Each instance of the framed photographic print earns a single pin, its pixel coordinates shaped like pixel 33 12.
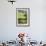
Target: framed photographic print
pixel 22 17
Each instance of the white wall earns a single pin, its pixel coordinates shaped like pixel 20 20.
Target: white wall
pixel 37 29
